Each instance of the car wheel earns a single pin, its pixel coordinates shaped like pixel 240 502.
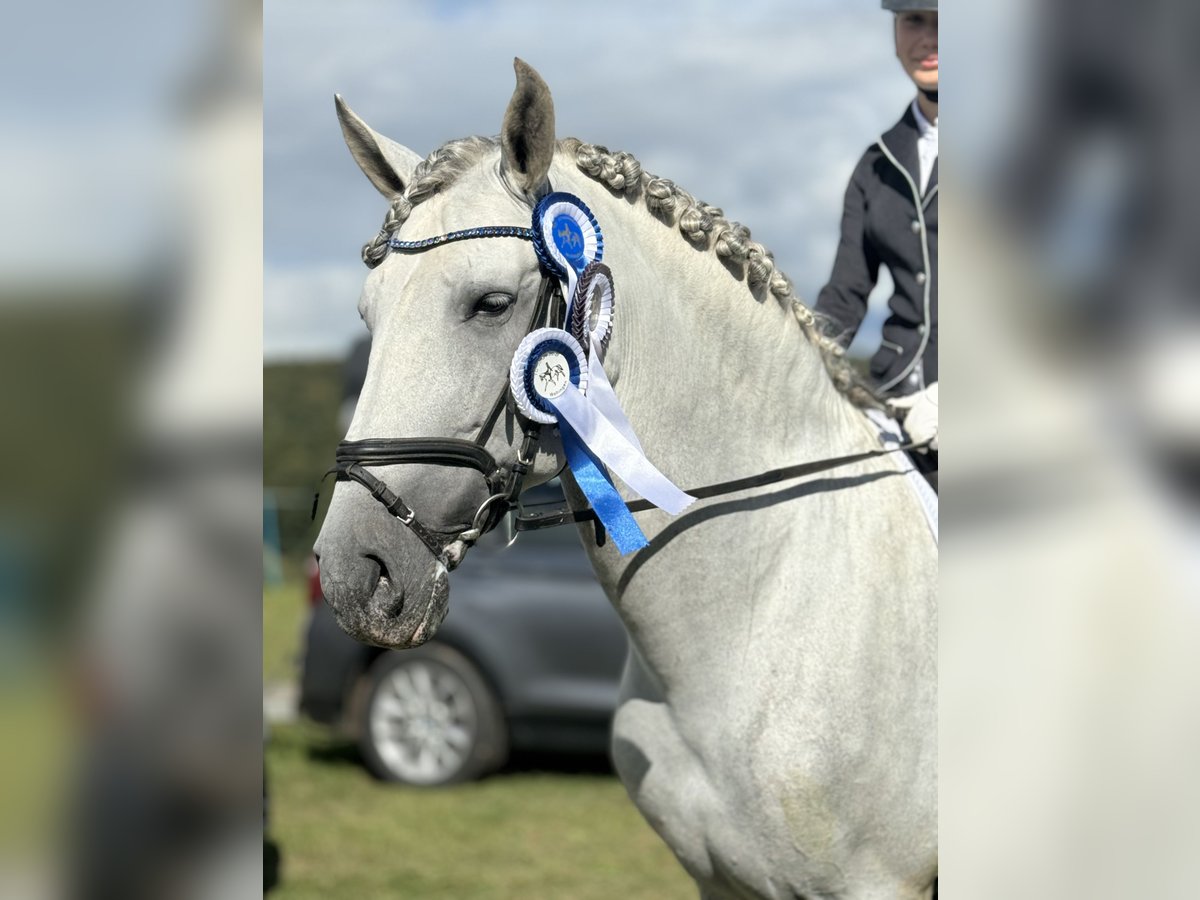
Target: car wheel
pixel 431 719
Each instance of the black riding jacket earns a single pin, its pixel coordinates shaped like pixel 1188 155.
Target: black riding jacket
pixel 887 220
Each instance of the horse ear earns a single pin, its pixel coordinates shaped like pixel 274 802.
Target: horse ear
pixel 389 165
pixel 527 136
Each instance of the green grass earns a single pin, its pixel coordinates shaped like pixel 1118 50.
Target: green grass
pixel 518 834
pixel 35 757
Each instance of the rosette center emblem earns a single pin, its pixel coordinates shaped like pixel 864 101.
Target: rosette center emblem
pixel 551 375
pixel 568 237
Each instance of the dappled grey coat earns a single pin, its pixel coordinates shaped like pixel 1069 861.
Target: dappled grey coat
pixel 886 220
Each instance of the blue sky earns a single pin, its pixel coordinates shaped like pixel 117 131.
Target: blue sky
pixel 761 108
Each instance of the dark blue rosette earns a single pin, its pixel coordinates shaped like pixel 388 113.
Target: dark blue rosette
pixel 566 236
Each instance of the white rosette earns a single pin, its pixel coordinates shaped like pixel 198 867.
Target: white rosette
pixel 591 318
pixel 545 362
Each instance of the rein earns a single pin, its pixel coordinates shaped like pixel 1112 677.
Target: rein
pixel 529 521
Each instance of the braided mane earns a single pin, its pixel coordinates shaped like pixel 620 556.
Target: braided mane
pixel 702 225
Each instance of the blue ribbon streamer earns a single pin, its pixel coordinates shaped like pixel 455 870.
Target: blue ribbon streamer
pixel 600 492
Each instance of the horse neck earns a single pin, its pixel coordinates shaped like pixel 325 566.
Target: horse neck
pixel 718 383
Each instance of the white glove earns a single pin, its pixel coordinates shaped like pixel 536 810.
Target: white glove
pixel 921 419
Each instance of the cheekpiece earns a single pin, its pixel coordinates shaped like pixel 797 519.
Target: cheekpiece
pixel 592 306
pixel 566 236
pixel 545 361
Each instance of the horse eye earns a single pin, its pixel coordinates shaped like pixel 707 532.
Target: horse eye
pixel 493 304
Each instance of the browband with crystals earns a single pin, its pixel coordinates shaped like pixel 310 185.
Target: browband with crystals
pixel 484 231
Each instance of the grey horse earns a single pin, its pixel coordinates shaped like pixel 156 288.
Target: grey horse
pixel 777 723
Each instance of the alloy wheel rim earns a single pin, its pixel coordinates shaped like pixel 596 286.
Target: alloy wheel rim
pixel 423 722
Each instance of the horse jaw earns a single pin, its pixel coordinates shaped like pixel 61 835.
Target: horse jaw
pixel 382 589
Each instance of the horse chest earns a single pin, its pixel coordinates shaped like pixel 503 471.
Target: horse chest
pixel 713 818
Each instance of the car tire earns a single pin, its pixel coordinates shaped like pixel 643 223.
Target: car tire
pixel 430 719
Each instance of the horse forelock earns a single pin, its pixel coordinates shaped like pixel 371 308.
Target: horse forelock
pixel 702 225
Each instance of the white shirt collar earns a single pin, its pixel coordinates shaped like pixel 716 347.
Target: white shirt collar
pixel 927 145
pixel 924 126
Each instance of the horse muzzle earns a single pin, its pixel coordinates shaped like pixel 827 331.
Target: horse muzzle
pixel 373 607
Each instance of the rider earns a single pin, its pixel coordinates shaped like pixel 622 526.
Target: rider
pixel 890 217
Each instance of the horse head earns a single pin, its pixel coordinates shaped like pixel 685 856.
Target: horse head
pixel 444 326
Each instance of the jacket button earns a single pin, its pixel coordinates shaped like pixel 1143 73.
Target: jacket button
pixel 921 328
pixel 920 278
pixel 916 226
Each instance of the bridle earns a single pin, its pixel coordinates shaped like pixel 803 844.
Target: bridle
pixel 505 482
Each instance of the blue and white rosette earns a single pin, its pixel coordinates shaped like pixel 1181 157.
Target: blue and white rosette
pixel 549 365
pixel 546 361
pixel 548 378
pixel 566 237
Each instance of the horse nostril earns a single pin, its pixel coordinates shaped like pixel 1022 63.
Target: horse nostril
pixel 382 572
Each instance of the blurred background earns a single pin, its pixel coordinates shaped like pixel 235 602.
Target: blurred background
pixel 130 370
pixel 1070 578
pixel 140 300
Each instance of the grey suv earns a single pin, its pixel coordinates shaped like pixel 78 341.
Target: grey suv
pixel 529 657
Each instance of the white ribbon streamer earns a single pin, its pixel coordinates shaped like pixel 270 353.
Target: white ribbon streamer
pixel 601 393
pixel 612 448
pixel 572 281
